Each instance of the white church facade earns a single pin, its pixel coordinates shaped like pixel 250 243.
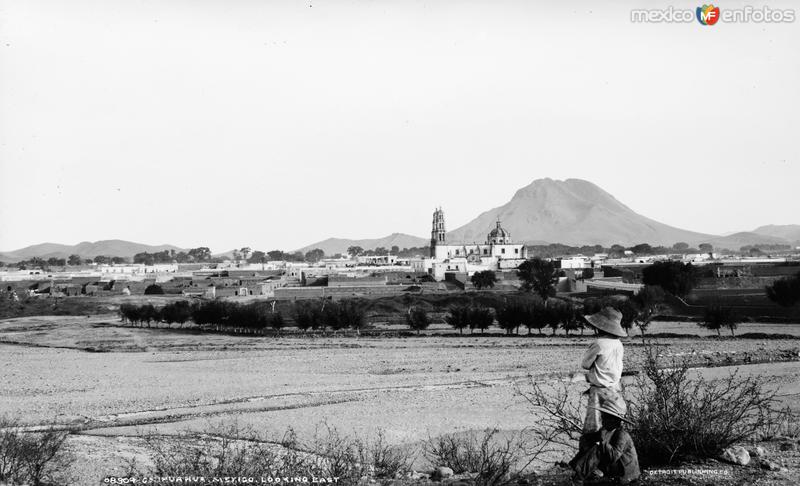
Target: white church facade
pixel 498 252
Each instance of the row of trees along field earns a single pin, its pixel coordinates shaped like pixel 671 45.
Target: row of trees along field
pixel 251 318
pixel 535 308
pixel 534 312
pixel 516 312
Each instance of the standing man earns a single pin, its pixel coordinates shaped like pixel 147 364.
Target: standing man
pixel 603 362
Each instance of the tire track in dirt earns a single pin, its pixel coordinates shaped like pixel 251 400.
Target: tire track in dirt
pixel 255 404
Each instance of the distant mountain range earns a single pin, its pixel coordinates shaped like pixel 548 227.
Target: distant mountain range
pixel 86 249
pixel 789 232
pixel 573 212
pixel 332 246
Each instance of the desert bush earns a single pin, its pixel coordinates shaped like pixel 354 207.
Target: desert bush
pixel 388 461
pixel 227 451
pixel 558 411
pixel 782 423
pixel 342 456
pixel 678 415
pixel 487 455
pixel 28 457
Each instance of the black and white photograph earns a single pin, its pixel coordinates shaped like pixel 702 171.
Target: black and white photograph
pixel 399 242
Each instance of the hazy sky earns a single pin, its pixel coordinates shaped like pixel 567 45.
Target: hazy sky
pixel 276 124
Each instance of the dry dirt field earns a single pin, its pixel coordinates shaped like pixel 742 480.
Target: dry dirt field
pixel 412 388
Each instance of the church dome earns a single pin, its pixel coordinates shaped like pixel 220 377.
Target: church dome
pixel 499 234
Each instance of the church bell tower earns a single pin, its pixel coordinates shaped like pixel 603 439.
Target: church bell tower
pixel 437 231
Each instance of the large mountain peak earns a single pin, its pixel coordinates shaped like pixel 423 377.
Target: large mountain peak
pixel 572 211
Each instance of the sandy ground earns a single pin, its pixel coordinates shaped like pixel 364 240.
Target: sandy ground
pixel 411 388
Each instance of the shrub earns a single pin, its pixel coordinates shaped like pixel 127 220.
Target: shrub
pixel 785 291
pixel 344 457
pixel 227 451
pixel 388 461
pixel 233 451
pixel 30 458
pixel 487 455
pixel 484 280
pixel 153 289
pixel 679 416
pixel 676 415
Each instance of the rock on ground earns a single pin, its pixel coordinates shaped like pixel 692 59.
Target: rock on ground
pixel 441 472
pixel 736 455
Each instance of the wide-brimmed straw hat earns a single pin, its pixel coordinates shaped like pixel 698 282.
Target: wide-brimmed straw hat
pixel 609 320
pixel 613 405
